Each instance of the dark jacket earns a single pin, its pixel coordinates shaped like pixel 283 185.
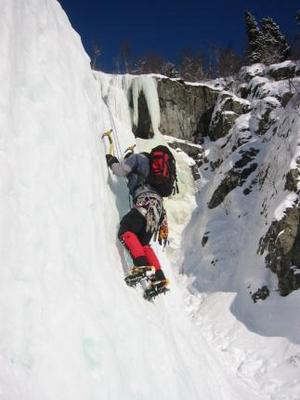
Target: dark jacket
pixel 136 168
pixel 146 200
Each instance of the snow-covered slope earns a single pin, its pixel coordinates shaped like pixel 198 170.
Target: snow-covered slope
pixel 69 327
pixel 249 188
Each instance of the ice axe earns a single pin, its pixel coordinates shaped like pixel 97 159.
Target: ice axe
pixel 108 134
pixel 129 150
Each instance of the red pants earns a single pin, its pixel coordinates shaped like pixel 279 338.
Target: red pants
pixel 134 236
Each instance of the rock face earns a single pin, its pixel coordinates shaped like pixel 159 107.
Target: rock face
pixel 282 243
pixel 227 109
pixel 285 70
pixel 193 151
pixel 251 169
pixel 186 110
pixel 235 177
pixel 194 111
pixel 292 179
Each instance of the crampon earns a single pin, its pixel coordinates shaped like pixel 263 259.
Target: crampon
pixel 155 289
pixel 138 274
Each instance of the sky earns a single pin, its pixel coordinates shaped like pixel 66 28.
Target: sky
pixel 166 27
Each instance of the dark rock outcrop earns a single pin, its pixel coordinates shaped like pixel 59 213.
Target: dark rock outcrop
pixel 234 178
pixel 246 73
pixel 196 152
pixel 205 239
pixel 186 109
pixel 282 242
pixel 292 179
pixel 227 110
pixel 261 294
pixel 285 70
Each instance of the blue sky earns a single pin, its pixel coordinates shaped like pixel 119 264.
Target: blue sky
pixel 166 27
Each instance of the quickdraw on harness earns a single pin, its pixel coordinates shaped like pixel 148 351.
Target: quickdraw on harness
pixel 150 206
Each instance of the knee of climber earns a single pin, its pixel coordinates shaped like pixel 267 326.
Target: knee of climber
pixel 151 257
pixel 132 243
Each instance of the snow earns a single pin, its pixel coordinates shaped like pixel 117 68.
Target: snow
pixel 252 70
pixel 70 328
pixel 262 107
pixel 214 84
pixel 288 202
pixel 171 139
pixel 262 359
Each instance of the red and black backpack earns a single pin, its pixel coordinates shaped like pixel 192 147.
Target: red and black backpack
pixel 162 176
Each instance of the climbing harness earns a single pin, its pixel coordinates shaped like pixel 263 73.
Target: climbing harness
pixel 149 205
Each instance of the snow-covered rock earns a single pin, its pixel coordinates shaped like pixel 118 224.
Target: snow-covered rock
pixel 249 72
pixel 227 109
pixel 263 115
pixel 284 70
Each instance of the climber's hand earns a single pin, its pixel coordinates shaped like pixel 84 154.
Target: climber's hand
pixel 111 160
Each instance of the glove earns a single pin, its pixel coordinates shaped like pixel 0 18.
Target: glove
pixel 163 235
pixel 111 160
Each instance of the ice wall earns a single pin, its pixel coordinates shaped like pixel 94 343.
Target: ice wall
pixel 54 247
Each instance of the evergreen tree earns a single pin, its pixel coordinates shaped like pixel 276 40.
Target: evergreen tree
pixel 253 52
pixel 274 45
pixel 267 44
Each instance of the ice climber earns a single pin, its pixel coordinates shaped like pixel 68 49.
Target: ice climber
pixel 147 217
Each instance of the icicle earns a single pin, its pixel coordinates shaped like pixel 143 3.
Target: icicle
pixel 148 86
pixel 150 92
pixel 119 90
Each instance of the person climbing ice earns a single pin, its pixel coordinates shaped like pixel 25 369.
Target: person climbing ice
pixel 150 177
